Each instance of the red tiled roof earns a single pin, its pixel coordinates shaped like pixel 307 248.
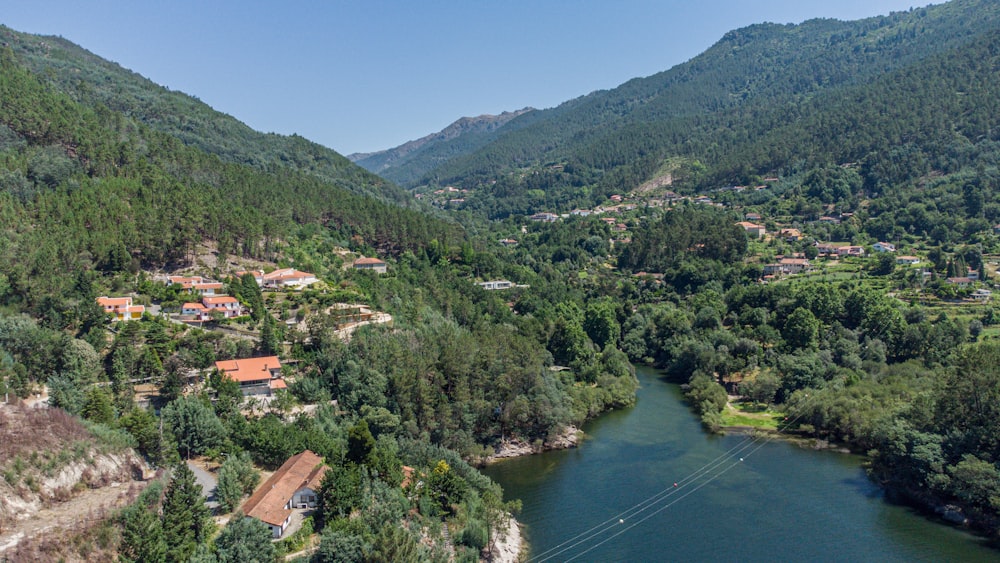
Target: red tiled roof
pixel 249 369
pixel 218 299
pixel 364 261
pixel 267 504
pixel 286 273
pixel 114 301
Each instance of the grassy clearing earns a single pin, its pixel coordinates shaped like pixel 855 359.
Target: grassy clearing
pixel 747 414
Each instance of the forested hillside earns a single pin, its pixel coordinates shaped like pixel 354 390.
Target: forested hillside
pixel 702 122
pixel 89 79
pixel 410 161
pixel 843 291
pixel 95 202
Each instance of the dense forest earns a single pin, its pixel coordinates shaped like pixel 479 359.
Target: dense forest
pixel 838 134
pixel 765 100
pixel 98 202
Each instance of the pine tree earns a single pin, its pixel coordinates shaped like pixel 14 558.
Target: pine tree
pixel 251 295
pixel 142 537
pixel 142 532
pixel 186 519
pixel 97 406
pixel 237 477
pixel 244 540
pixel 270 338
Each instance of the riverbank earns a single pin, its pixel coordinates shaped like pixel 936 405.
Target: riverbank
pixel 631 454
pixel 569 437
pixel 510 546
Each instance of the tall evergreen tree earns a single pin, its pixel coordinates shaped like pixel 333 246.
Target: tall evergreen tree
pixel 142 537
pixel 186 519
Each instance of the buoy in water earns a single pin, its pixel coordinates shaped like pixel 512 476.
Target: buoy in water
pixel 620 521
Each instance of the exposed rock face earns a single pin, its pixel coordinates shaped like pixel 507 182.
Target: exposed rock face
pixel 509 547
pixel 34 490
pixel 514 447
pixel 953 514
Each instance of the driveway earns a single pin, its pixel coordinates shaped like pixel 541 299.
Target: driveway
pixel 207 482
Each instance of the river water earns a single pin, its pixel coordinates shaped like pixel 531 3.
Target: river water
pixel 781 503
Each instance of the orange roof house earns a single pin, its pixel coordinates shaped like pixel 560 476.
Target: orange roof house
pixel 294 485
pixel 227 304
pixel 206 288
pixel 289 277
pixel 372 264
pixel 121 308
pixel 186 281
pixel 256 376
pixel 258 275
pixel 196 310
pixel 753 229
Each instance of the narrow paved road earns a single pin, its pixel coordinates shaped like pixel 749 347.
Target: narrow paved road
pixel 207 482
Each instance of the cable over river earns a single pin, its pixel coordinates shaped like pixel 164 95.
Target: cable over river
pixel 650 485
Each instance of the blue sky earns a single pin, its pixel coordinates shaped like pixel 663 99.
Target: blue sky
pixel 369 75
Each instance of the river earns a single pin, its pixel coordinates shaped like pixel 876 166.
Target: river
pixel 781 503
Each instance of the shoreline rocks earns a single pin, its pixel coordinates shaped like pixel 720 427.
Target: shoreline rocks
pixel 569 437
pixel 510 547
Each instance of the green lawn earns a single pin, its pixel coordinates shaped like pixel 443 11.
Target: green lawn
pixel 743 414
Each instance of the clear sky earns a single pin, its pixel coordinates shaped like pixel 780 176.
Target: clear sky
pixel 366 75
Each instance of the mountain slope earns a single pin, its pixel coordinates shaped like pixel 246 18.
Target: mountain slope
pixel 89 79
pixel 410 161
pixel 84 187
pixel 614 140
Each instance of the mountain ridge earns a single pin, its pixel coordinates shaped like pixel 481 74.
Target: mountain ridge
pixel 484 122
pixel 87 77
pixel 410 160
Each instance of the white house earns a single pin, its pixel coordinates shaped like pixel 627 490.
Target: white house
pixel 289 278
pixel 371 265
pixel 295 485
pixel 121 308
pixel 545 217
pixel 228 305
pixel 496 284
pixel 884 247
pixel 753 229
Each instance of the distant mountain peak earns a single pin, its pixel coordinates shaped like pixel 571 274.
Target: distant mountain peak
pixel 465 125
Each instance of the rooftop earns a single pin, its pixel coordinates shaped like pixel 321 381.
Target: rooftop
pixel 267 504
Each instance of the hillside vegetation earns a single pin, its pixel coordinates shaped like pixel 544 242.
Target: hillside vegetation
pixel 858 302
pixel 410 161
pixel 91 80
pixel 765 100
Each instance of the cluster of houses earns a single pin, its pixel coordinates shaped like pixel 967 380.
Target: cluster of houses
pixel 213 301
pixel 449 195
